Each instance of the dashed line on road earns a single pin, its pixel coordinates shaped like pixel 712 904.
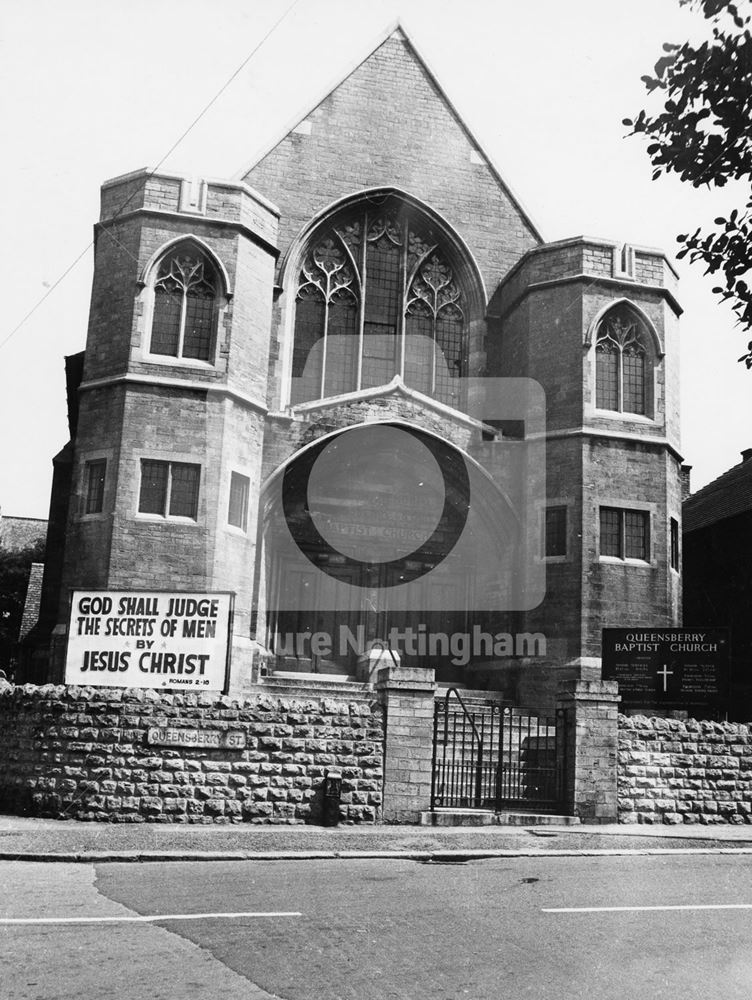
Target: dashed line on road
pixel 140 919
pixel 648 909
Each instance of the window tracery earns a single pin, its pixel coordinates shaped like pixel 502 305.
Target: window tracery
pixel 623 364
pixel 377 296
pixel 184 311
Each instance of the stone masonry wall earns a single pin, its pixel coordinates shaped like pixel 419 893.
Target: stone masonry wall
pixel 81 753
pixel 673 771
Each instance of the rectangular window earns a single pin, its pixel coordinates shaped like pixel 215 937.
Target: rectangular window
pixel 636 534
pixel 674 544
pixel 555 529
pixel 153 498
pixel 183 490
pixel 237 515
pixel 95 473
pixel 169 488
pixel 611 540
pixel 625 534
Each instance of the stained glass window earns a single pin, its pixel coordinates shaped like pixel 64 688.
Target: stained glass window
pixel 185 296
pixel 622 366
pixel 607 375
pixel 633 379
pixel 377 297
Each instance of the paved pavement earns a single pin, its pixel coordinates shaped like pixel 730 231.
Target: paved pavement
pixel 56 840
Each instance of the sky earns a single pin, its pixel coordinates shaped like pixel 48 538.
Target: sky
pixel 90 89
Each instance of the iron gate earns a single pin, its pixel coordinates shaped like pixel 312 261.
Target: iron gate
pixel 491 756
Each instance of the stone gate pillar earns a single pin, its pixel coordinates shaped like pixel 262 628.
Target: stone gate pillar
pixel 587 740
pixel 407 694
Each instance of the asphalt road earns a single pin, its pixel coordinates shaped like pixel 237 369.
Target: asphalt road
pixel 374 930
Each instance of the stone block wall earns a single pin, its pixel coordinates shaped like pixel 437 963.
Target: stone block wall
pixel 673 771
pixel 82 753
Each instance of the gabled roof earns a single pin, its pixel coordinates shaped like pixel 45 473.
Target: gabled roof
pixel 395 29
pixel 727 496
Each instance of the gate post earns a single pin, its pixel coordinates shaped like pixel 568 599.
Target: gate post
pixel 407 694
pixel 587 744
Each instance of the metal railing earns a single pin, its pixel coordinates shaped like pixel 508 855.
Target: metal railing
pixel 491 756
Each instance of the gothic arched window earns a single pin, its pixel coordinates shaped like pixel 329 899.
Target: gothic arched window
pixel 377 296
pixel 623 363
pixel 184 315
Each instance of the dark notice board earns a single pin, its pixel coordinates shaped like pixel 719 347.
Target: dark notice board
pixel 668 667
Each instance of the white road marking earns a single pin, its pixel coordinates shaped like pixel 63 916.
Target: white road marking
pixel 644 909
pixel 155 918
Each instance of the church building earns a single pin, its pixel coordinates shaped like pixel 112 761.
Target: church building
pixel 355 388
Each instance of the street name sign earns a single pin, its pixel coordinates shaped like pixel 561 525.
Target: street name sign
pixel 179 736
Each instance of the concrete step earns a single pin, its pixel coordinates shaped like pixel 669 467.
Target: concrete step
pixel 458 817
pixel 535 819
pixel 486 817
pixel 312 685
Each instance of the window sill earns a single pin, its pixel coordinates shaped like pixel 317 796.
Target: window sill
pixel 172 362
pixel 617 561
pixel 635 418
pixel 233 529
pixel 166 519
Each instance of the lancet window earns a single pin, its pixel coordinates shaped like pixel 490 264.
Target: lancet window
pixel 185 298
pixel 623 364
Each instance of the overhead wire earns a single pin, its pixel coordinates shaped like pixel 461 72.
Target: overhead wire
pixel 288 10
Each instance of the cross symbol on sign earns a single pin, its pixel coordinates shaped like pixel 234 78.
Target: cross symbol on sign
pixel 665 673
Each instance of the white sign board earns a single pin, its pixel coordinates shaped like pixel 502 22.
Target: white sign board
pixel 148 639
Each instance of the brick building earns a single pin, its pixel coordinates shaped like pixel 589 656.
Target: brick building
pixel 370 299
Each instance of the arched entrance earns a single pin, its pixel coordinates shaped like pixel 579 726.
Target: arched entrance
pixel 384 534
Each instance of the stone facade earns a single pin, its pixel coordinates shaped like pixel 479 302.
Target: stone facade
pixel 386 140
pixel 82 753
pixel 543 322
pixel 673 771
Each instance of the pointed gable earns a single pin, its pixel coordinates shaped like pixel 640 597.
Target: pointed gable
pixel 389 124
